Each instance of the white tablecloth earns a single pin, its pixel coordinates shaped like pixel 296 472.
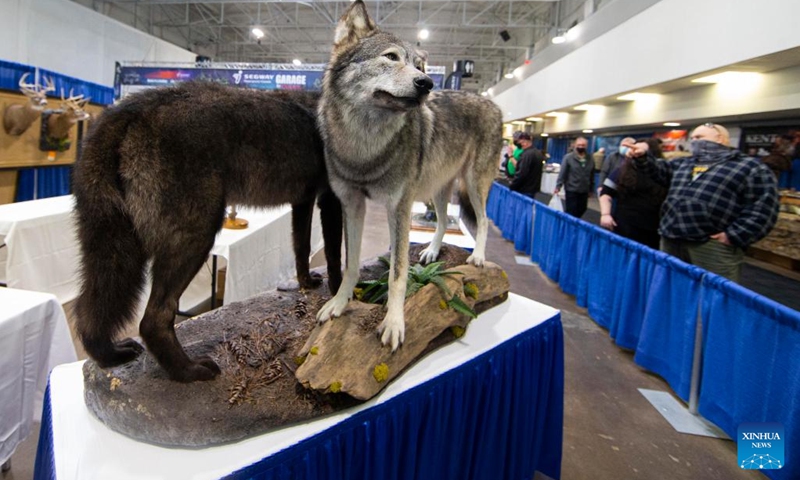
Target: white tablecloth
pixel 549 180
pixel 85 449
pixel 34 338
pixel 43 253
pixel 41 248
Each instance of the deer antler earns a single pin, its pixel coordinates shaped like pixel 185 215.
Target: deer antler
pixel 28 88
pixel 75 102
pixel 50 86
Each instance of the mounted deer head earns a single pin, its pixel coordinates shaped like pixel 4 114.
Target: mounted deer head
pixel 58 124
pixel 18 117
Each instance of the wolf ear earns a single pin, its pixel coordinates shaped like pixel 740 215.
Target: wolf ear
pixel 354 25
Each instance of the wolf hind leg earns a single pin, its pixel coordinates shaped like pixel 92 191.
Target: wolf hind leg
pixel 354 211
pixel 301 237
pixel 478 191
pixel 330 209
pixel 174 266
pixel 431 252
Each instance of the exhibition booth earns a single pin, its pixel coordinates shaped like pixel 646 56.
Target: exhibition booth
pixel 745 355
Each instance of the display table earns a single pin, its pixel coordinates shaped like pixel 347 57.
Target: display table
pixel 34 338
pixel 462 239
pixel 488 406
pixel 549 180
pixel 42 251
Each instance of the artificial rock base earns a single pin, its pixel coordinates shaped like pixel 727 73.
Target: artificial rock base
pixel 258 343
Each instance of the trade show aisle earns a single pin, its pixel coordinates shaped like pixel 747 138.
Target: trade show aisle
pixel 610 430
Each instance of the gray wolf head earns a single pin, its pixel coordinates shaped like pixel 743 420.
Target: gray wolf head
pixel 373 68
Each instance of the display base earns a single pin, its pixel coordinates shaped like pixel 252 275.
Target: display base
pixel 256 344
pixel 679 417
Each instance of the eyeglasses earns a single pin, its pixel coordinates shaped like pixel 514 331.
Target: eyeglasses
pixel 712 125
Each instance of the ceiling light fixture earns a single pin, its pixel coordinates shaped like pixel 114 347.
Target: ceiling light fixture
pixel 423 34
pixel 545 135
pixel 588 130
pixel 296 62
pixel 533 119
pixel 258 33
pixel 509 75
pixel 672 124
pixel 556 114
pixel 484 93
pixel 587 106
pixel 726 77
pixel 637 96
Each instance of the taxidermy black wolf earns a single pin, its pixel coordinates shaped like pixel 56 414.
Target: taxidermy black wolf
pixel 387 137
pixel 155 175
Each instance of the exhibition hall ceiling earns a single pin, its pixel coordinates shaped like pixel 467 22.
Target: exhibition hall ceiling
pixel 497 35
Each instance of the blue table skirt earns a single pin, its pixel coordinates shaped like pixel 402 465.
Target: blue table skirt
pixel 497 416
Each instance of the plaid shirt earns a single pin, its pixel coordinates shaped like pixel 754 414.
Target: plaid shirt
pixel 737 195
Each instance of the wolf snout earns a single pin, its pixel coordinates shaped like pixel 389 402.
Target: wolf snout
pixel 423 84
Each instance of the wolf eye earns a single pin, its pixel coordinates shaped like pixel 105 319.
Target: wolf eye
pixel 392 56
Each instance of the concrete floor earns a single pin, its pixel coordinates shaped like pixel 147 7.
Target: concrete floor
pixel 610 430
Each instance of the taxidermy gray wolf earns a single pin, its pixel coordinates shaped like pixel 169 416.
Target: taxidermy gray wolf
pixel 389 139
pixel 153 180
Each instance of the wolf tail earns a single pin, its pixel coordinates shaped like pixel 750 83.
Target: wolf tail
pixel 113 258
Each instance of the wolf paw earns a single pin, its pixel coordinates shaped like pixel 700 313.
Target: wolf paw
pixel 430 254
pixel 313 280
pixel 332 308
pixel 477 260
pixel 204 368
pixel 392 330
pixel 119 353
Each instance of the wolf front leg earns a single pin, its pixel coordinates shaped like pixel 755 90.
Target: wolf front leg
pixel 393 327
pixel 431 252
pixel 354 207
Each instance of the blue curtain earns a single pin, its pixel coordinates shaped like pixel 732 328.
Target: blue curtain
pixel 495 417
pixel 49 181
pixel 794 174
pixel 667 337
pixel 557 148
pixel 523 213
pixel 751 364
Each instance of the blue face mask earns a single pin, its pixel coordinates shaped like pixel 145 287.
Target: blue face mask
pixel 623 150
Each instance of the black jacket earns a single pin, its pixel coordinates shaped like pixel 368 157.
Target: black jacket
pixel 528 179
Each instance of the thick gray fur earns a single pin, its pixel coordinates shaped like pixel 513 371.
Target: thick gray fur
pixel 388 139
pixel 155 175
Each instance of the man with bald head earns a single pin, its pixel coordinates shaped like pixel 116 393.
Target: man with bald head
pixel 719 201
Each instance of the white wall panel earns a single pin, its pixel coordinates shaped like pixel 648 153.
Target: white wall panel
pixel 71 39
pixel 669 40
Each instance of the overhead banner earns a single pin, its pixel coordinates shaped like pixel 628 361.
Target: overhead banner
pixel 142 77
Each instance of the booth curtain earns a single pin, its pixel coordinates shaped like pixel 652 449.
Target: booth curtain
pixel 649 302
pixel 557 148
pixel 514 410
pixel 750 365
pixel 49 181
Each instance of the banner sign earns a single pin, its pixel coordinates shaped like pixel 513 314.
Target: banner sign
pixel 249 78
pixel 673 140
pixel 761 141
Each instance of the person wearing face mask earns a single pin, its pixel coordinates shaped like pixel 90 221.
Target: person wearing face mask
pixel 577 172
pixel 719 201
pixel 613 161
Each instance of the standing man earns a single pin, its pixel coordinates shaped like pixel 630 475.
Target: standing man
pixel 719 201
pixel 528 180
pixel 614 160
pixel 576 178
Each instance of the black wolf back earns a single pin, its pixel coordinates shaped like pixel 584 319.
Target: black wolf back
pixel 153 181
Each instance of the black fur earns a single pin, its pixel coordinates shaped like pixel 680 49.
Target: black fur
pixel 154 178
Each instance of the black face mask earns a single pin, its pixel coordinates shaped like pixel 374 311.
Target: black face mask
pixel 580 150
pixel 516 144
